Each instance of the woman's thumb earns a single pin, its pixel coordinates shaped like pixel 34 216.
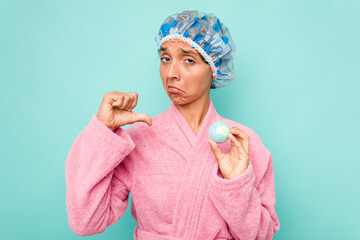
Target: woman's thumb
pixel 143 117
pixel 215 148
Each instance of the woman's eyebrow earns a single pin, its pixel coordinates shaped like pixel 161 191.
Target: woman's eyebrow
pixel 183 50
pixel 189 52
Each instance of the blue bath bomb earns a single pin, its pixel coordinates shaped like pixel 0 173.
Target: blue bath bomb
pixel 219 131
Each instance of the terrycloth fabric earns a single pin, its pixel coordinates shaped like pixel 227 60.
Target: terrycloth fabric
pixel 176 185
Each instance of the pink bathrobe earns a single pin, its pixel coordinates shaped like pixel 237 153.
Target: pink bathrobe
pixel 177 189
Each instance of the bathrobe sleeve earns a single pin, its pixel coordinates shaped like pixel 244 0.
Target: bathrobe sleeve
pixel 97 180
pixel 247 202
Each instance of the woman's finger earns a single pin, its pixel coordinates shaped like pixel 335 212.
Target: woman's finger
pixel 127 102
pixel 237 143
pixel 135 99
pixel 238 132
pixel 244 138
pixel 119 101
pixel 235 149
pixel 235 140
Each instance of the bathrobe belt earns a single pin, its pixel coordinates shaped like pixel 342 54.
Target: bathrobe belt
pixel 140 234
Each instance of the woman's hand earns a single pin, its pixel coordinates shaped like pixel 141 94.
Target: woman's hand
pixel 234 163
pixel 116 110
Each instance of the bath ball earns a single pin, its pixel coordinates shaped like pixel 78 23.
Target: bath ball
pixel 219 131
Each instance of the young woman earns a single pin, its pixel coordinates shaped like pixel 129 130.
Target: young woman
pixel 183 184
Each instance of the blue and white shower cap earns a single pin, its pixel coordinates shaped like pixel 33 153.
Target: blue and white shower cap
pixel 208 36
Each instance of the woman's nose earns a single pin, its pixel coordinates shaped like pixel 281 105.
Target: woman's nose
pixel 174 71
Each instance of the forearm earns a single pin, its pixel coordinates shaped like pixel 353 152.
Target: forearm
pixel 89 172
pixel 248 213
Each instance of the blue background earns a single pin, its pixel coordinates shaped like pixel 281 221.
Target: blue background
pixel 297 86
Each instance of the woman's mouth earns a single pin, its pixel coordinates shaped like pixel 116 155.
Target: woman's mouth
pixel 172 89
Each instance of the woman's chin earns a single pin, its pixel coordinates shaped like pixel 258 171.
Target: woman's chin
pixel 177 99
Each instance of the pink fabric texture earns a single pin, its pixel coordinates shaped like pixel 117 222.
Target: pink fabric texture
pixel 177 189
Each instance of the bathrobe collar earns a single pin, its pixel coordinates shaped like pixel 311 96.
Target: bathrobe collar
pixel 200 161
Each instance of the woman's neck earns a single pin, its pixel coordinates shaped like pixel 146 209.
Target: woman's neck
pixel 195 112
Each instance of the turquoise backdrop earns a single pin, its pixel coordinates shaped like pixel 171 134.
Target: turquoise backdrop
pixel 297 86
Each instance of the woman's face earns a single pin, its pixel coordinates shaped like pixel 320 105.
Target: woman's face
pixel 183 67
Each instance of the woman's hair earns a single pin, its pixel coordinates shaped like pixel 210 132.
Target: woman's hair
pixel 208 36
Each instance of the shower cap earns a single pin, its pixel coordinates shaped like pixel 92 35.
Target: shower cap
pixel 208 36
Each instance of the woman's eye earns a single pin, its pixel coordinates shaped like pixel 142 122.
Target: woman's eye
pixel 164 59
pixel 189 60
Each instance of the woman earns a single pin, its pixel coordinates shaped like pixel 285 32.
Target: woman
pixel 183 184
